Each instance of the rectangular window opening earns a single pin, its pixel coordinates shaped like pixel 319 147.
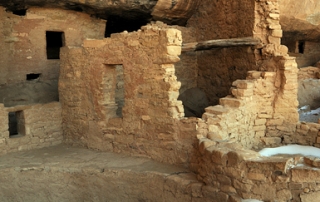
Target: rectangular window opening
pixel 55 40
pixel 16 124
pixel 31 77
pixel 20 12
pixel 301 46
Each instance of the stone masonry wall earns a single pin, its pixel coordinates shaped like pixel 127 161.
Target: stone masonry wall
pixel 23 51
pixel 40 126
pixel 262 111
pixel 150 124
pixel 186 69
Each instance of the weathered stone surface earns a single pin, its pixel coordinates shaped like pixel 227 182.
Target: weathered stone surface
pixel 76 174
pixel 313 196
pixel 177 12
pixel 301 20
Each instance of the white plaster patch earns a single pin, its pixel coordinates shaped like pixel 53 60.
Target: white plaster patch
pixel 291 149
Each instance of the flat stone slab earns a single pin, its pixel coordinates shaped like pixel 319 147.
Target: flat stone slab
pixel 64 156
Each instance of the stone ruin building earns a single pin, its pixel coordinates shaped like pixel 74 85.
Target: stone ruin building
pixel 90 81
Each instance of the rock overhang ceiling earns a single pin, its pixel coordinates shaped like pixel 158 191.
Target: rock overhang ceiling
pixel 168 11
pixel 300 20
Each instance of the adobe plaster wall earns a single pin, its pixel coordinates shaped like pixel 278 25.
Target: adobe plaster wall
pixel 218 68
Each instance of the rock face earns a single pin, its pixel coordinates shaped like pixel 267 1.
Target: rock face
pixel 172 12
pixel 301 19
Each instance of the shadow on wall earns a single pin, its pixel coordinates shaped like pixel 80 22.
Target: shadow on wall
pixel 194 102
pixel 117 24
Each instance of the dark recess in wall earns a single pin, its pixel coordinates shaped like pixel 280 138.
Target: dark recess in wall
pixel 117 24
pixel 54 43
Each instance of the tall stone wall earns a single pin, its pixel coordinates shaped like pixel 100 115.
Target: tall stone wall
pixel 23 51
pixel 150 123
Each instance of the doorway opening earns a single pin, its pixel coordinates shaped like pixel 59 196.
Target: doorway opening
pixel 55 40
pixel 16 124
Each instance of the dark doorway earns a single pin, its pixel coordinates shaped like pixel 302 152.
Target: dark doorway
pixel 16 124
pixel 301 46
pixel 54 43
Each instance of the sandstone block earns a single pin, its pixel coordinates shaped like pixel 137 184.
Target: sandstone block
pixel 271 140
pixel 256 176
pixel 230 102
pixel 314 196
pixel 274 40
pixel 253 74
pixel 259 128
pixel 275 26
pixel 243 84
pixel 266 191
pixel 258 122
pixel 276 33
pixel 219 156
pixel 305 175
pixel 274 122
pixel 274 16
pixel 228 189
pixel 234 159
pixel 217 109
pixel 242 186
pixel 174 50
pixel 242 92
pixel 284 195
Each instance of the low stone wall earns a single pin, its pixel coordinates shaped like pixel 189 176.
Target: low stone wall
pixel 38 126
pixel 241 173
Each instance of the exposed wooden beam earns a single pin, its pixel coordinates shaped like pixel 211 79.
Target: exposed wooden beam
pixel 220 43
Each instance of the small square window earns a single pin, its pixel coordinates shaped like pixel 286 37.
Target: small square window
pixel 31 77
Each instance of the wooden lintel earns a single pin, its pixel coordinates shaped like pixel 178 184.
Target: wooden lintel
pixel 220 43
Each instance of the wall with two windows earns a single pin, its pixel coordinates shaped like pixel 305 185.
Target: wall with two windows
pixel 30 42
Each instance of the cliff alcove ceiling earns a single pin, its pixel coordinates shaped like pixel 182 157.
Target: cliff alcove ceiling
pixel 300 24
pixel 168 11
